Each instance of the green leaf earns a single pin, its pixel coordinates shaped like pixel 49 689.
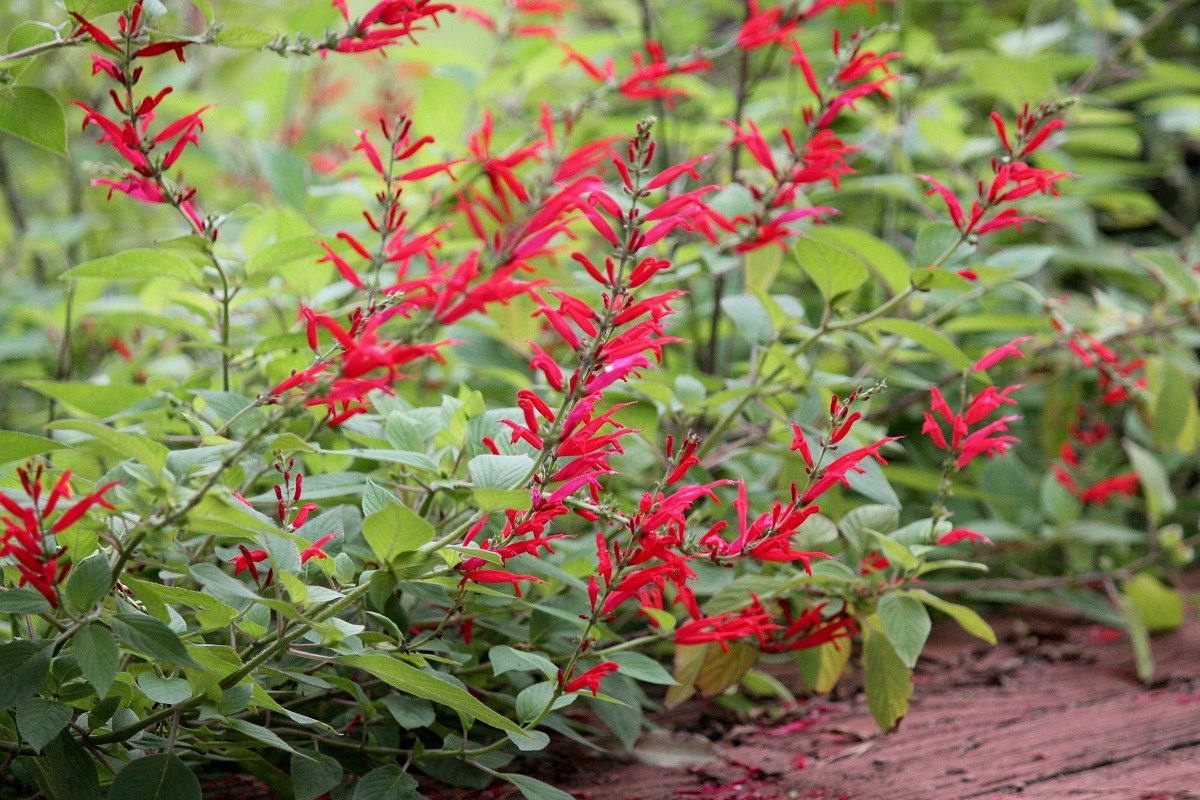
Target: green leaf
pixel 205 8
pixel 403 433
pixel 896 553
pixel 23 667
pixel 243 37
pixel 927 339
pixel 72 770
pixel 127 445
pixel 92 399
pixel 724 668
pixel 23 600
pixel 374 498
pixel 750 317
pixel 137 264
pixel 761 266
pixel 533 789
pixel 835 271
pixel 167 691
pixel 277 256
pixel 887 680
pixel 39 721
pixel 148 636
pixel 499 472
pixel 489 500
pixel 1139 639
pixel 907 625
pixel 872 483
pixel 410 712
pixel 88 583
pixel 314 774
pixel 34 115
pixel 395 529
pixel 870 517
pixel 880 257
pixel 822 666
pixel 1160 606
pixel 259 734
pixel 1175 412
pixel 641 668
pixel 933 241
pixel 409 679
pixel 689 660
pixel 532 700
pixel 417 460
pixel 505 659
pixel 285 171
pixel 533 742
pixel 20 446
pixel 971 622
pixel 159 777
pixel 26 35
pixel 98 657
pixel 96 8
pixel 386 783
pixel 1160 501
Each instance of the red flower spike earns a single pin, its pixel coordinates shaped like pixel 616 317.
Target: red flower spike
pixel 1000 353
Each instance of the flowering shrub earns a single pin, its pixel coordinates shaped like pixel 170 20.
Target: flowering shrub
pixel 474 416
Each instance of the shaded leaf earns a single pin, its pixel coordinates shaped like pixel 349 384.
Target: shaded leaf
pixel 40 720
pixel 887 681
pixel 158 777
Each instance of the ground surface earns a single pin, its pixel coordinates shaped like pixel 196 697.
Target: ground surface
pixel 1054 712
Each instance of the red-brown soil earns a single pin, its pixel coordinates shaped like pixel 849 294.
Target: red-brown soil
pixel 1054 712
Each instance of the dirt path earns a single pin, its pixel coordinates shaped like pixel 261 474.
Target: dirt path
pixel 1052 713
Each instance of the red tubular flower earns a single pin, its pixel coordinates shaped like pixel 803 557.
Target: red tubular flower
pixel 590 680
pixel 497 576
pixel 100 37
pixel 247 560
pixel 800 442
pixel 751 621
pixel 810 629
pixel 314 550
pixel 762 28
pixel 1098 493
pixel 837 469
pixel 959 534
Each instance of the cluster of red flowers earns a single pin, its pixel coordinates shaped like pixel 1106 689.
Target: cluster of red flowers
pixel 819 156
pixel 448 291
pixel 363 362
pixel 964 444
pixel 524 20
pixel 1118 381
pixel 28 534
pixel 131 137
pixel 1013 179
pixel 649 71
pixel 388 22
pixel 289 494
pixel 610 343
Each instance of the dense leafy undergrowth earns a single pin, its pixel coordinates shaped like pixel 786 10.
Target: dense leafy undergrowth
pixel 389 390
